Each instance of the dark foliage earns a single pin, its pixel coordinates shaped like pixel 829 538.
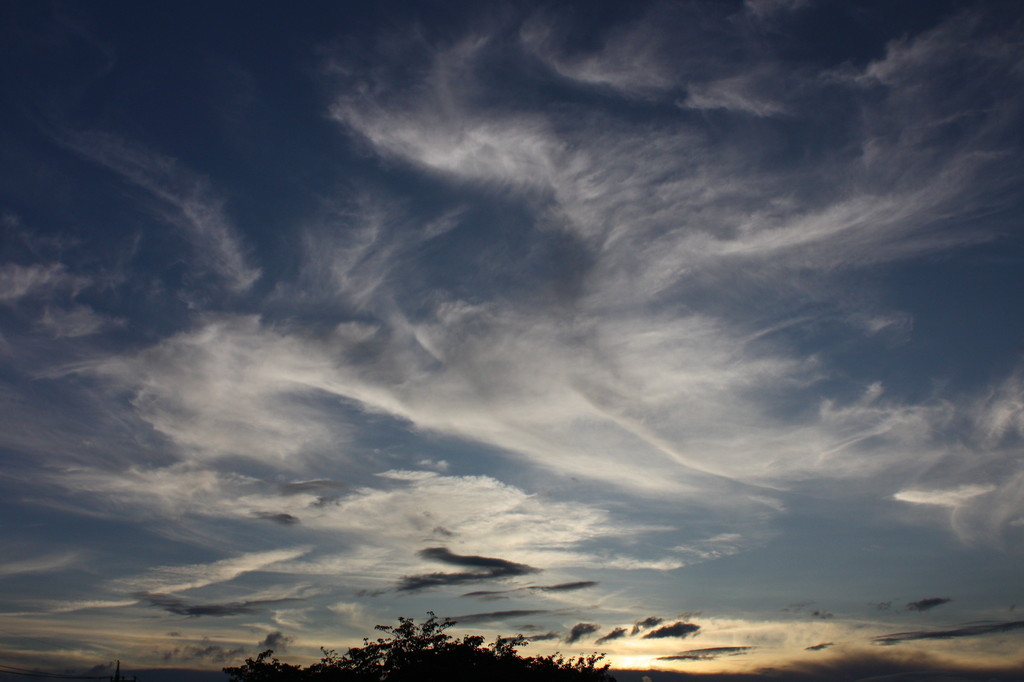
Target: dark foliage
pixel 424 653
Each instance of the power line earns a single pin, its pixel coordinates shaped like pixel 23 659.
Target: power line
pixel 26 672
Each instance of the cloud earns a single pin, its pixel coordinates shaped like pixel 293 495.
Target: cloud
pixel 819 647
pixel 646 623
pixel 565 587
pixel 655 217
pixel 927 604
pixel 946 498
pixel 974 630
pixel 491 568
pixel 767 8
pixel 279 518
pixel 182 198
pixel 212 653
pixel 629 59
pixel 170 579
pixel 179 387
pixel 276 640
pixel 677 629
pixel 39 564
pixel 579 631
pixel 21 281
pixel 380 520
pixel 708 654
pixel 750 93
pixel 471 618
pixel 74 322
pixel 314 486
pixel 71 606
pixel 561 587
pixel 182 608
pixel 617 633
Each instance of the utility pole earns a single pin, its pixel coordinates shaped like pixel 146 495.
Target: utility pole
pixel 117 675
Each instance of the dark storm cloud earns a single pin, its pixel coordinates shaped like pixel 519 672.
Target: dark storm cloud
pixel 819 647
pixel 581 630
pixel 495 615
pixel 183 608
pixel 617 633
pixel 678 629
pixel 708 654
pixel 927 604
pixel 649 622
pixel 491 567
pixel 975 630
pixel 547 636
pixel 276 640
pixel 282 519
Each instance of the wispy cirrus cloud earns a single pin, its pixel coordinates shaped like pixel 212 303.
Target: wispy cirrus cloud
pixel 171 579
pixel 75 321
pixel 19 281
pixel 181 607
pixel 587 191
pixel 42 563
pixel 600 293
pixel 560 587
pixel 944 498
pixel 181 197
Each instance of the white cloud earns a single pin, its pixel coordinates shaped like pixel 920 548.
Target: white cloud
pixel 946 498
pixel 71 606
pixel 170 579
pixel 631 59
pixel 754 93
pixel 73 322
pixel 230 388
pixel 381 526
pixel 184 199
pixel 18 281
pixel 39 564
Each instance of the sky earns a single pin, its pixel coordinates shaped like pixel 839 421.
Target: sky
pixel 687 332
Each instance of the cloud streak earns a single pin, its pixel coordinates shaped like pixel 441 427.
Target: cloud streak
pixel 182 198
pixel 488 568
pixel 708 654
pixel 927 604
pixel 579 631
pixel 677 629
pixel 974 630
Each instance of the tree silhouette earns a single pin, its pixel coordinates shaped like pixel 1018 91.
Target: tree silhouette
pixel 423 653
